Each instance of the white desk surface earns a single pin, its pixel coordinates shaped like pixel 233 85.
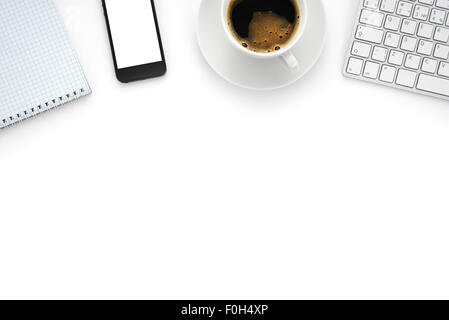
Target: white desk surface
pixel 188 187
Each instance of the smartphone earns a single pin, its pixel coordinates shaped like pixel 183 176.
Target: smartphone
pixel 135 39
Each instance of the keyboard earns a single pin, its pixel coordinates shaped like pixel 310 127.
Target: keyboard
pixel 402 44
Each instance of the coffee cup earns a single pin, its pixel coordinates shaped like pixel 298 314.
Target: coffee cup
pixel 265 25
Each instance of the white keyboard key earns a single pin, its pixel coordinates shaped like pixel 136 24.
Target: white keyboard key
pixel 429 2
pixel 437 16
pixel 442 4
pixel 421 12
pixel 387 74
pixel 396 57
pixel 409 44
pixel 433 84
pixel 372 4
pixel 412 61
pixel 409 26
pixel 361 49
pixel 355 66
pixel 406 78
pixel 369 34
pixel 372 18
pixel 425 47
pixel 380 54
pixel 404 9
pixel 441 51
pixel 443 70
pixel 429 65
pixel 371 70
pixel 392 23
pixel 388 5
pixel 441 34
pixel 392 40
pixel 425 30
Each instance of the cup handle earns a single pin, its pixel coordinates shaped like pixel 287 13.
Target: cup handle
pixel 291 62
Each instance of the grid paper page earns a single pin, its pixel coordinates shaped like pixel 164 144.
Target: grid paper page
pixel 39 69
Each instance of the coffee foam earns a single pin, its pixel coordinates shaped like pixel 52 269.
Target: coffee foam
pixel 267 32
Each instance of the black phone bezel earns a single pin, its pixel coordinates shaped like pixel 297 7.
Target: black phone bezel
pixel 139 72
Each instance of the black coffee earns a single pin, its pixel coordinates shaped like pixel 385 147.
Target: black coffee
pixel 263 25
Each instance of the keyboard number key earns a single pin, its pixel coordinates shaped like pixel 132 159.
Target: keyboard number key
pixel 442 4
pixel 388 5
pixel 406 78
pixel 421 12
pixel 387 74
pixel 354 66
pixel 371 70
pixel 437 16
pixel 405 9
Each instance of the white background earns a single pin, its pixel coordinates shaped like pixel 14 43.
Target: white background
pixel 188 187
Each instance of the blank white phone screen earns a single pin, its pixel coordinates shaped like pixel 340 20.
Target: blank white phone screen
pixel 133 31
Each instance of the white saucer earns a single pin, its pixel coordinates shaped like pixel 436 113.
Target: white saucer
pixel 250 73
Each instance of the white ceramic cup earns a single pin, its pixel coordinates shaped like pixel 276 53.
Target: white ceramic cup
pixel 284 53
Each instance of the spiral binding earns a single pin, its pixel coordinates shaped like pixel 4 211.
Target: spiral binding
pixel 32 111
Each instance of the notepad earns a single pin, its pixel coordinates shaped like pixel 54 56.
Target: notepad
pixel 39 69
